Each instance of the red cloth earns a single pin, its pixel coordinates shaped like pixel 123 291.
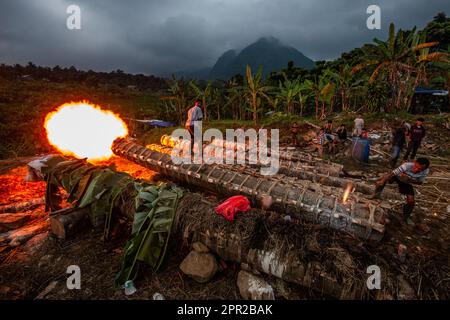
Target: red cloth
pixel 233 205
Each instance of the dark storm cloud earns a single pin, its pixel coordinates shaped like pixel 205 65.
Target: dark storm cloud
pixel 160 36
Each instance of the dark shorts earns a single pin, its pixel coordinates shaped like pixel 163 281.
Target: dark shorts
pixel 403 187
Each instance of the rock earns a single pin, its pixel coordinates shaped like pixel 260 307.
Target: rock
pixel 158 296
pixel 252 287
pixel 200 247
pixel 10 221
pixel 199 266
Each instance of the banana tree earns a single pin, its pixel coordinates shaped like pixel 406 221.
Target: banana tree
pixel 254 91
pixel 393 59
pixel 346 84
pixel 178 97
pixel 303 95
pixel 326 95
pixel 288 91
pixel 203 94
pixel 322 90
pixel 274 103
pixel 217 100
pixel 233 99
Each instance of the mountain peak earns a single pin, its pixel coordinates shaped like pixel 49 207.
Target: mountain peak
pixel 269 40
pixel 267 52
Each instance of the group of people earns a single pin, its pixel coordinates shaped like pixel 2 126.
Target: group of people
pixel 407 134
pixel 327 137
pixel 411 172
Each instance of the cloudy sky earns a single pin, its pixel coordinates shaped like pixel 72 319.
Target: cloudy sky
pixel 162 36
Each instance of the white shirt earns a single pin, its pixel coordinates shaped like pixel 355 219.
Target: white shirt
pixel 406 168
pixel 359 123
pixel 194 114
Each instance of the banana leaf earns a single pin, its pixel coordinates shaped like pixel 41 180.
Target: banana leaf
pixel 155 211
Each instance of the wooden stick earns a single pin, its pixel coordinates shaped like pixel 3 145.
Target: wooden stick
pixel 65 222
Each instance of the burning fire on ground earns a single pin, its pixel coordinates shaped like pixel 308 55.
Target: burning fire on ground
pixel 84 130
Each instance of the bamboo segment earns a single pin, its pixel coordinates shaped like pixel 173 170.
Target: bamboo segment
pixel 288 158
pixel 365 220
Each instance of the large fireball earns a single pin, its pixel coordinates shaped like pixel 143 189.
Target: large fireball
pixel 84 130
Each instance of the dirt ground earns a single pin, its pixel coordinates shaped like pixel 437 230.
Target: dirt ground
pixel 36 268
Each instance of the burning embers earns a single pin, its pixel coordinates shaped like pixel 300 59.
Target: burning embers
pixel 84 130
pixel 348 189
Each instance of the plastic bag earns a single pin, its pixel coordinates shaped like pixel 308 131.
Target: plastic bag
pixel 233 205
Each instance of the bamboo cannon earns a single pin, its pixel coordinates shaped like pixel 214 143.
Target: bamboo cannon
pixel 293 164
pixel 361 219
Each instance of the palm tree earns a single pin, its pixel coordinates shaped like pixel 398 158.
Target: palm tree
pixel 253 90
pixel 393 58
pixel 204 95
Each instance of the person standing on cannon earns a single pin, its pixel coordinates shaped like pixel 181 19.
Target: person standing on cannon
pixel 194 118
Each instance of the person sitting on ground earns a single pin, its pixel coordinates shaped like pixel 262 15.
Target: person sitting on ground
pixel 405 176
pixel 359 125
pixel 321 141
pixel 398 141
pixel 415 136
pixel 342 133
pixel 364 134
pixel 328 129
pixel 294 134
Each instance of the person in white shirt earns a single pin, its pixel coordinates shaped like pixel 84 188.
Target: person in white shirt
pixel 359 125
pixel 194 118
pixel 406 175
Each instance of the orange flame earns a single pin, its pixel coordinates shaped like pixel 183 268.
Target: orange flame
pixel 348 189
pixel 84 130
